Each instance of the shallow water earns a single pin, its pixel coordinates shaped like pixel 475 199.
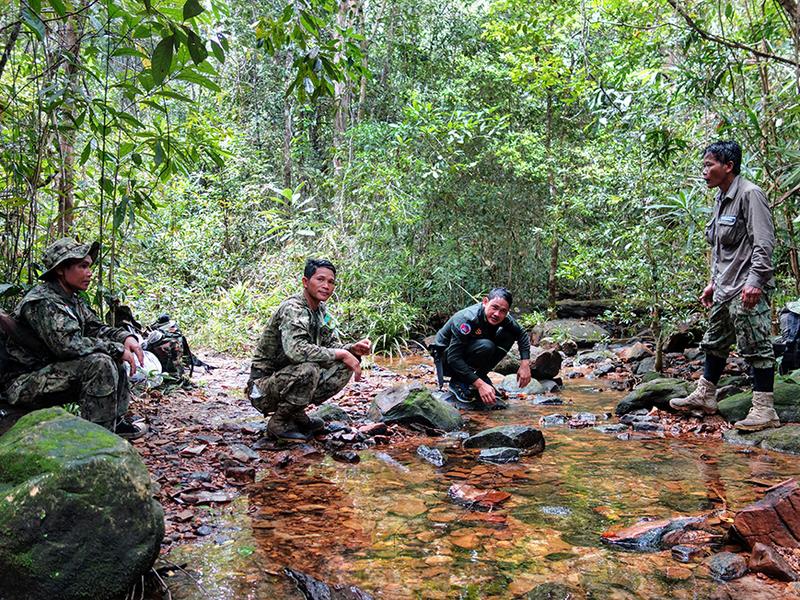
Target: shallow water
pixel 388 526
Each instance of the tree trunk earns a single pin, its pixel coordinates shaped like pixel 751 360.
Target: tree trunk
pixel 552 283
pixel 341 89
pixel 287 131
pixel 362 93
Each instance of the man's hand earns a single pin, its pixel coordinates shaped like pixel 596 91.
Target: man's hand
pixel 707 297
pixel 524 373
pixel 486 392
pixel 132 348
pixel 351 362
pixel 750 297
pixel 361 347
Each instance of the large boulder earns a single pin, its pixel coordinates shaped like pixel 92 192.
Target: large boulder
pixel 414 403
pixel 657 392
pixel 508 436
pixel 773 520
pixel 787 402
pixel 584 333
pixel 545 363
pixel 77 516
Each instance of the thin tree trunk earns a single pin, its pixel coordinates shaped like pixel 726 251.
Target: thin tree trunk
pixel 341 89
pixel 362 92
pixel 287 132
pixel 552 283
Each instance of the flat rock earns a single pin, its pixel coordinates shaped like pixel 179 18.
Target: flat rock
pixel 634 352
pixel 657 392
pixel 686 553
pixel 553 420
pixel 787 402
pixel 773 520
pixel 647 536
pixel 330 413
pixel 766 559
pixel 499 455
pixel 508 436
pixel 595 357
pixel 474 498
pixel 727 566
pixel 782 439
pixel 413 403
pixel 615 428
pixel 509 386
pixel 432 455
pixel 314 589
pixel 77 517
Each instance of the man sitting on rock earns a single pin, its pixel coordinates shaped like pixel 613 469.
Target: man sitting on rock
pixel 299 359
pixel 742 239
pixel 471 344
pixel 59 351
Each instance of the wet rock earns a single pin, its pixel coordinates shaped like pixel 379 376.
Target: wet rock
pixel 475 498
pixel 508 436
pixel 242 453
pixel 371 429
pixel 647 536
pixel 604 369
pixel 553 420
pixel 585 334
pixel 457 435
pixel 550 385
pixel 773 520
pixel 499 456
pixel 509 386
pixel 432 455
pixel 595 357
pixel 509 363
pixel 204 530
pixel 314 589
pixel 765 559
pixel 583 419
pixel 647 426
pixel 727 566
pixel 330 412
pixel 552 591
pixel 615 428
pixel 753 587
pixel 413 403
pixel 657 392
pixel 685 553
pixel 337 426
pixel 345 456
pixel 634 353
pixel 783 439
pixel 545 363
pixel 787 402
pixel 77 515
pixel 542 400
pixel 555 511
pixel 641 414
pixel 200 476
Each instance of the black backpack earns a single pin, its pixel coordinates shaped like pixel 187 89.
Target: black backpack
pixel 790 337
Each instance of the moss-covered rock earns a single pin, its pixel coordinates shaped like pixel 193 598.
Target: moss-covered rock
pixel 77 517
pixel 657 392
pixel 331 412
pixel 787 402
pixel 414 404
pixel 782 439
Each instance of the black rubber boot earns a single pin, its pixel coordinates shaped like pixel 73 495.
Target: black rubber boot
pixel 283 423
pixel 308 424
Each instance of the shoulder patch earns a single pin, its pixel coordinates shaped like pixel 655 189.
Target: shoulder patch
pixel 465 328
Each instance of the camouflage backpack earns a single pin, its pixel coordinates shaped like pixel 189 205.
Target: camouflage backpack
pixel 170 347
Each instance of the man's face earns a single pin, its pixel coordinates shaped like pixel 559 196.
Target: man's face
pixel 77 276
pixel 496 310
pixel 715 172
pixel 320 285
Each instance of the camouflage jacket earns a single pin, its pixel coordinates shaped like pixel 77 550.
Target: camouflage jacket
pixel 295 334
pixel 64 326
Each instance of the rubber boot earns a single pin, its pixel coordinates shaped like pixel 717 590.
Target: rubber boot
pixel 283 425
pixel 762 415
pixel 308 424
pixel 702 399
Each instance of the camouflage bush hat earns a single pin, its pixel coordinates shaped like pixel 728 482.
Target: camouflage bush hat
pixel 65 249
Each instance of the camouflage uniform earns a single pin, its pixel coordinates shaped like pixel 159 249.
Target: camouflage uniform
pixel 294 362
pixel 730 322
pixel 70 353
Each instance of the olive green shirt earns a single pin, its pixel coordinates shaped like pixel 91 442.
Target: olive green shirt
pixel 296 333
pixel 742 238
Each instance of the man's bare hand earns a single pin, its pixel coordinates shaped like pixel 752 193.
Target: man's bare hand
pixel 351 362
pixel 707 297
pixel 524 373
pixel 132 344
pixel 750 296
pixel 127 357
pixel 361 347
pixel 486 392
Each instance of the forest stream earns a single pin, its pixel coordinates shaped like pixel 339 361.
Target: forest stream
pixel 387 524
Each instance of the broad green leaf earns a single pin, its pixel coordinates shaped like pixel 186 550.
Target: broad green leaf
pixel 162 59
pixel 87 151
pixel 219 53
pixel 34 23
pixel 192 77
pixel 191 8
pixel 197 47
pixel 119 212
pixel 174 96
pixel 59 7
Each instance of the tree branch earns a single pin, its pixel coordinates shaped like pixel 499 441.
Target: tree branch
pixel 726 42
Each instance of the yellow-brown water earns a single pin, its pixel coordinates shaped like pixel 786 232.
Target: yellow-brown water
pixel 388 526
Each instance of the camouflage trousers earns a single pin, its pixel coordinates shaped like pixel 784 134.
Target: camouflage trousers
pixel 730 322
pixel 96 382
pixel 299 385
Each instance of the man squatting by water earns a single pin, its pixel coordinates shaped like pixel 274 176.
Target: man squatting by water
pixel 299 359
pixel 742 238
pixel 471 344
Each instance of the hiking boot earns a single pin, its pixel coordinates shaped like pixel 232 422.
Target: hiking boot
pixel 128 430
pixel 308 424
pixel 762 415
pixel 283 423
pixel 703 399
pixel 462 395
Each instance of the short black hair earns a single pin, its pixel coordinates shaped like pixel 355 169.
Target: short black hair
pixel 501 292
pixel 312 264
pixel 726 152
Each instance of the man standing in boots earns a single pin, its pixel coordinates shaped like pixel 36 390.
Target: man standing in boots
pixel 742 238
pixel 299 359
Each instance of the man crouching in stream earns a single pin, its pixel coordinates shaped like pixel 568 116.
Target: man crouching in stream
pixel 299 359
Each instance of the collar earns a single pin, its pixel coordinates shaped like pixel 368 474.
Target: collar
pixel 56 287
pixel 732 191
